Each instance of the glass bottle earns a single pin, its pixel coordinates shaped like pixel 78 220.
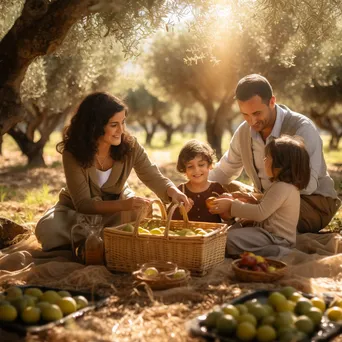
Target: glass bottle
pixel 94 246
pixel 89 227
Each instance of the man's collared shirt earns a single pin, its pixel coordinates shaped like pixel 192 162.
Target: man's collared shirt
pixel 258 148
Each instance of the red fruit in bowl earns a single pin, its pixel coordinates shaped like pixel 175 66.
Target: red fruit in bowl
pixel 243 267
pixel 247 253
pixel 248 260
pixel 264 266
pixel 257 268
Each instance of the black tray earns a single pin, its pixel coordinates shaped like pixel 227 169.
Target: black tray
pixel 95 301
pixel 327 331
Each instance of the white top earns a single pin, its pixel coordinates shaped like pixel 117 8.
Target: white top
pixel 278 210
pixel 258 148
pixel 103 176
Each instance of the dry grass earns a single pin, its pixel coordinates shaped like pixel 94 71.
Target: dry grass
pixel 132 314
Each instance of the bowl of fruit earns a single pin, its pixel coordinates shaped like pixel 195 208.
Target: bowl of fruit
pixel 160 275
pixel 255 268
pixel 284 314
pixel 37 308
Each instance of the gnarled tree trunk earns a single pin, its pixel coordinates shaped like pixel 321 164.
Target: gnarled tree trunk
pixel 39 30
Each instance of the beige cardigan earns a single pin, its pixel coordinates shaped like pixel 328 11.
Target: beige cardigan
pixel 278 211
pixel 83 188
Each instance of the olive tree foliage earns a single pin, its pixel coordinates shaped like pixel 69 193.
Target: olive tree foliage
pixel 203 80
pixel 150 113
pixel 40 26
pixel 232 39
pixel 178 64
pixel 34 28
pixel 144 108
pixel 324 92
pixel 54 85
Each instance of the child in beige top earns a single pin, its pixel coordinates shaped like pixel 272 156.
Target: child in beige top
pixel 287 164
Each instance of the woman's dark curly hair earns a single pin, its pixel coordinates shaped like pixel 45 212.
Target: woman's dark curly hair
pixel 191 150
pixel 87 125
pixel 291 159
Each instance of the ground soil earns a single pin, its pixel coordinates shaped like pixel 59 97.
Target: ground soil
pixel 132 314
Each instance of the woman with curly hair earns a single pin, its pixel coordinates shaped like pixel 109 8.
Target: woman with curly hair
pixel 98 157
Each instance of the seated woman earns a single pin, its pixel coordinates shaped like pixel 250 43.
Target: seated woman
pixel 98 157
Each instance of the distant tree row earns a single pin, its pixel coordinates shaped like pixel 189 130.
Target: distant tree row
pixel 53 53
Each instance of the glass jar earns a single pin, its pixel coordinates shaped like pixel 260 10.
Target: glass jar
pixel 89 228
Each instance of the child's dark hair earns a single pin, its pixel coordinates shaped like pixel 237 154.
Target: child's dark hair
pixel 291 158
pixel 191 150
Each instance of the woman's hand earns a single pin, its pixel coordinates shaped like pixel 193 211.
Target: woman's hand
pixel 135 203
pixel 178 197
pixel 221 206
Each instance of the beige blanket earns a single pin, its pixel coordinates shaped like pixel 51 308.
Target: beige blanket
pixel 314 266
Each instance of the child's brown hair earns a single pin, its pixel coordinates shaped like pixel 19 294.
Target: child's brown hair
pixel 191 150
pixel 292 160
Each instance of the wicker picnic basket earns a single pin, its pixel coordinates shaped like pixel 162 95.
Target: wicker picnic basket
pixel 125 251
pixel 260 277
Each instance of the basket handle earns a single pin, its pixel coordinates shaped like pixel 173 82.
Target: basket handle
pixel 184 213
pixel 143 212
pixel 169 217
pixel 161 207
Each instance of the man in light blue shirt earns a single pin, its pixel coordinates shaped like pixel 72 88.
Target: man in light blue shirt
pixel 264 121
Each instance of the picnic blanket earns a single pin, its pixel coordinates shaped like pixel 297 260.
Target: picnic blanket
pixel 314 266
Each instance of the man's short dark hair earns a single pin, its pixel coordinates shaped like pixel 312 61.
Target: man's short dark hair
pixel 252 85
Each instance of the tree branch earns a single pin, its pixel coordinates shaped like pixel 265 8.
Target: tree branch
pixel 39 30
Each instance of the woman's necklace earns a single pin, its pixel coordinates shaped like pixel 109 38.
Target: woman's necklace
pixel 103 161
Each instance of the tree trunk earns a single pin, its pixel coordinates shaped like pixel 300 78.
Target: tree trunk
pixel 33 150
pixel 169 133
pixel 324 121
pixel 149 131
pixel 334 142
pixel 215 140
pixel 215 121
pixel 148 139
pixel 39 30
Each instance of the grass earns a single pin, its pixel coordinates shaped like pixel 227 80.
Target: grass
pixel 39 196
pixel 43 195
